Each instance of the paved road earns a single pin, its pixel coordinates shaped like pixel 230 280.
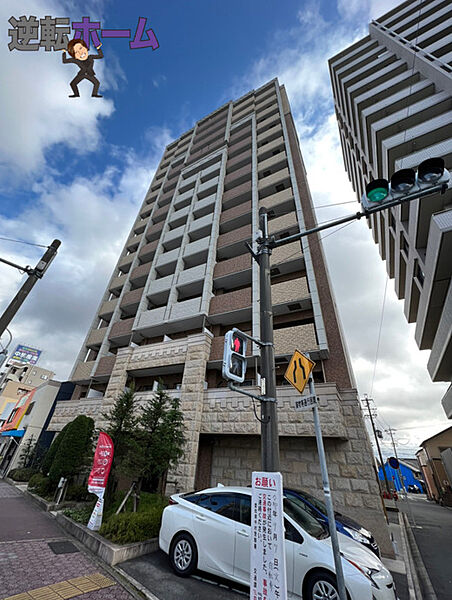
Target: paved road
pixel 432 528
pixel 29 540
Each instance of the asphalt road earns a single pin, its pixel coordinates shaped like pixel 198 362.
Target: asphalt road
pixel 432 528
pixel 153 571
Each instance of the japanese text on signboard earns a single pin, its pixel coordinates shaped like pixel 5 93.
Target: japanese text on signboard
pixel 268 566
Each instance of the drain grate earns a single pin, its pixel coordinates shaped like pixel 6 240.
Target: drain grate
pixel 63 547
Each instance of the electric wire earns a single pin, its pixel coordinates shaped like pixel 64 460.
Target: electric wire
pixel 379 337
pixel 23 242
pixel 335 204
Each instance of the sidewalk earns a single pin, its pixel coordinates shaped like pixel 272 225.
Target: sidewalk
pixel 38 560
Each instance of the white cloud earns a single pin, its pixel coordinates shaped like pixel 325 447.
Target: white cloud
pixel 36 111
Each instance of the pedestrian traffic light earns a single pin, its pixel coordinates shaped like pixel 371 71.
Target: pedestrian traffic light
pixel 234 356
pixel 430 174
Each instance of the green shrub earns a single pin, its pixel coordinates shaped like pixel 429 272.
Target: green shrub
pixel 21 474
pixel 126 528
pixel 73 450
pixel 51 452
pixel 40 485
pixel 79 515
pixel 79 493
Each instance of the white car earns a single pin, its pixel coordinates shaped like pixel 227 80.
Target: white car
pixel 210 530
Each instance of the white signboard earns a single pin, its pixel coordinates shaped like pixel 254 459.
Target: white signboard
pixel 268 558
pixel 306 402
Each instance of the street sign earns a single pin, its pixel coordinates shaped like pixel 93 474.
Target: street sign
pixel 306 402
pixel 268 557
pixel 298 371
pixel 394 463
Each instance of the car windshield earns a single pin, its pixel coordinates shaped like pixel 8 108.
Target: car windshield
pixel 296 511
pixel 318 504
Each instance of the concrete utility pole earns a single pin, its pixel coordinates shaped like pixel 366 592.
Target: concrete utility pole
pixel 33 276
pixel 366 400
pixel 269 424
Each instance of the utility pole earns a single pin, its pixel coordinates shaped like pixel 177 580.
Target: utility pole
pixel 366 400
pixel 33 276
pixel 269 423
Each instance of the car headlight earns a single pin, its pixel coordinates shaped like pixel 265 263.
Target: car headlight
pixel 359 537
pixel 366 571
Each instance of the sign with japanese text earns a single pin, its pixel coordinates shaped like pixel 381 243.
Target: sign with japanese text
pixel 306 402
pixel 298 371
pixel 25 355
pixel 97 480
pixel 268 558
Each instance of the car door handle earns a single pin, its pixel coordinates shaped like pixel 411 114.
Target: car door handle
pixel 200 518
pixel 244 533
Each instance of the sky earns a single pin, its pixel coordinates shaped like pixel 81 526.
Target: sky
pixel 77 169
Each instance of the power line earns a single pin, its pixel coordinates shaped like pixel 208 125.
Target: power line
pixel 379 337
pixel 336 204
pixel 22 242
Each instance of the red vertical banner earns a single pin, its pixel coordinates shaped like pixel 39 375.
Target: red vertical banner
pixel 97 480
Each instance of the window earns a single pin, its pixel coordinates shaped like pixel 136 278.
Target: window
pixel 279 187
pixel 419 274
pixel 291 534
pixel 244 509
pixel 296 511
pixel 222 504
pixel 30 408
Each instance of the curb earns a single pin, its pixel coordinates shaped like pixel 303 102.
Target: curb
pixel 419 567
pixel 414 589
pixel 136 584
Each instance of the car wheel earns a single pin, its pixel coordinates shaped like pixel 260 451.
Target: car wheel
pixel 322 586
pixel 183 555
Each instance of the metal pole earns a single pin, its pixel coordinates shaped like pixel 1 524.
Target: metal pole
pixel 410 508
pixel 328 498
pixel 33 276
pixel 269 425
pixel 366 400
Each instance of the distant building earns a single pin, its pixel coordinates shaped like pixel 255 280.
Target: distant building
pixel 436 465
pixel 410 472
pixel 392 94
pixel 28 375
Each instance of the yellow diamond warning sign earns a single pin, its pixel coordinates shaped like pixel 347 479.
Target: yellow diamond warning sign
pixel 298 371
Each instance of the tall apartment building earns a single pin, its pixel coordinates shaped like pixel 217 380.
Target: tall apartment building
pixel 393 100
pixel 185 277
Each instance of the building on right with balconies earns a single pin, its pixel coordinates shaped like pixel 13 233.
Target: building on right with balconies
pixel 393 102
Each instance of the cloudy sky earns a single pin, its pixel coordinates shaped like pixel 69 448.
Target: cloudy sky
pixel 77 169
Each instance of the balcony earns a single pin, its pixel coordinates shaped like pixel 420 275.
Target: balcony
pixel 205 206
pixel 267 149
pixel 121 331
pixel 140 224
pixel 279 203
pixel 287 223
pixel 105 368
pixel 131 300
pixel 96 337
pixel 168 257
pixel 133 242
pixel 237 177
pixel 233 243
pixel 232 307
pixel 166 198
pixel 147 252
pixel 117 284
pixel 159 215
pixel 186 308
pixel 272 162
pixel 140 274
pixel 239 147
pixel 179 217
pixel 267 123
pixel 208 188
pixel 238 161
pixel 290 296
pixel 183 199
pixel 191 275
pixel 200 228
pixel 269 135
pixel 236 217
pixel 160 285
pixel 151 318
pixel 82 373
pixel 227 268
pixel 107 309
pixel 173 238
pixel 300 337
pixel 267 184
pixel 154 231
pixel 240 133
pixel 237 195
pixel 197 247
pixel 204 151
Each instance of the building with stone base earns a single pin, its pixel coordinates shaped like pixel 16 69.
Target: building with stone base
pixel 185 277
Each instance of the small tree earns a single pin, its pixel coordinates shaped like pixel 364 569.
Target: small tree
pixel 160 439
pixel 121 427
pixel 52 451
pixel 27 451
pixel 74 451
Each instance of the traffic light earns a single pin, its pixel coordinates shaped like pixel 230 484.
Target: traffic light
pixel 429 174
pixel 234 356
